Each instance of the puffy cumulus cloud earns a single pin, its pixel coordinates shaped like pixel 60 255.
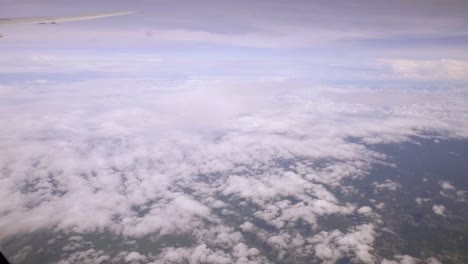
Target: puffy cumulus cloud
pixel 357 243
pixel 283 212
pixel 406 259
pixel 81 250
pixel 430 69
pixel 133 257
pixel 439 209
pixel 401 259
pixel 89 256
pixel 239 253
pixel 387 185
pixel 420 200
pixel 223 165
pixel 447 185
pixel 365 210
pixel 220 236
pixel 450 191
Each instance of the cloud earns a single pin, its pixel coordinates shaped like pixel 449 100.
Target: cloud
pixel 219 163
pixel 88 257
pixel 447 185
pixel 365 210
pixel 240 254
pixel 444 69
pixel 387 185
pixel 439 209
pixel 133 257
pixel 46 62
pixel 357 243
pixel 406 259
pixel 269 38
pixel 420 200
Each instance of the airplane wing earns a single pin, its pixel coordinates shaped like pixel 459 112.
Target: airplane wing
pixel 58 19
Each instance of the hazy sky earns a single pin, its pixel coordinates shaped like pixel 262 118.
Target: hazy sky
pixel 259 24
pixel 337 39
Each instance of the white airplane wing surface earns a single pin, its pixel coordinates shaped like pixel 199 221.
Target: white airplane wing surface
pixel 58 19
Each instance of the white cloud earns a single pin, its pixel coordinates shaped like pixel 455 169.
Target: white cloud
pixel 420 200
pixel 357 243
pixel 447 185
pixel 134 257
pixel 147 161
pixel 433 260
pixel 240 254
pixel 430 69
pixel 90 256
pixel 439 209
pixel 405 259
pixel 283 37
pixel 365 210
pixel 387 185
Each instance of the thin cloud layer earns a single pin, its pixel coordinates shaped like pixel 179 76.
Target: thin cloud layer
pixel 243 24
pixel 426 69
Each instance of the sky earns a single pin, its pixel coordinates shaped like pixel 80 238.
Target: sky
pixel 224 131
pixel 372 39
